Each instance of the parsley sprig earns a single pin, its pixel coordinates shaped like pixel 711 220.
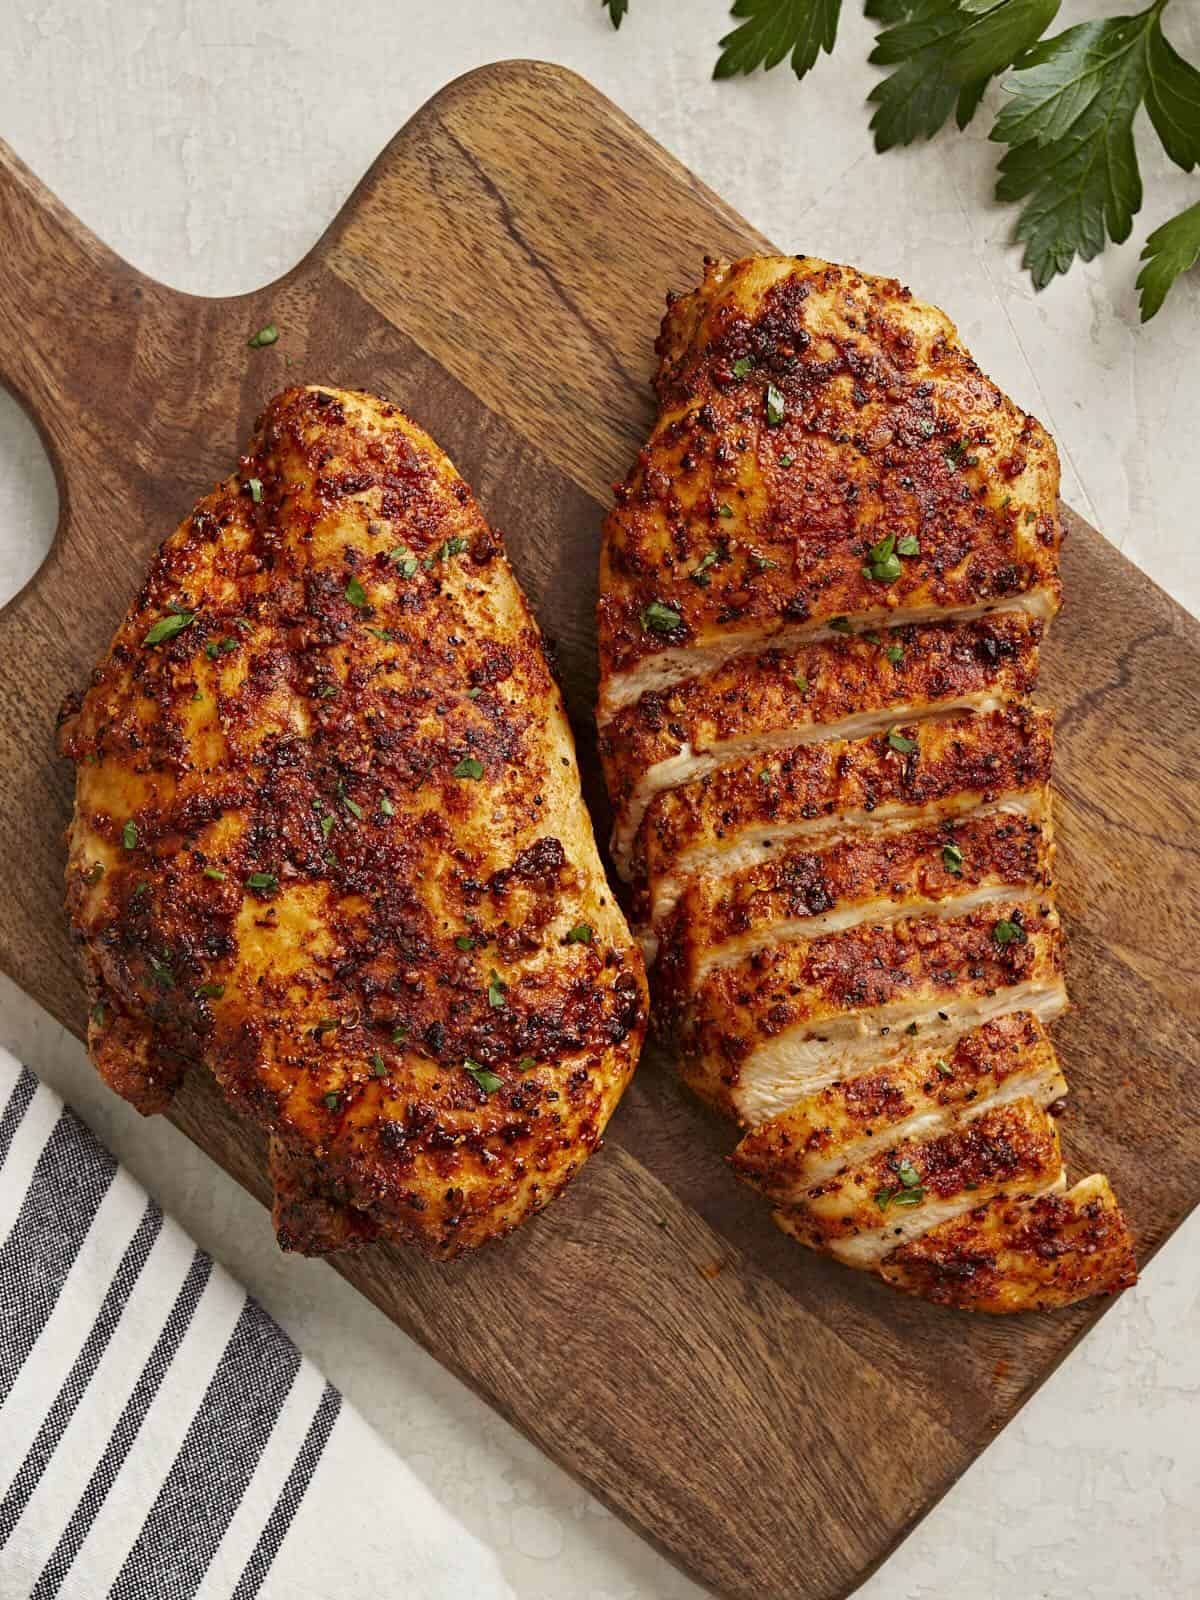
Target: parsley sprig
pixel 1071 162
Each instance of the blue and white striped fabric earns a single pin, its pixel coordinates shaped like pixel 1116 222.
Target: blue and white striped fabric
pixel 160 1436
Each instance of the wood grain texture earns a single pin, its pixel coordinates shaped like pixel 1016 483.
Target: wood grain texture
pixel 773 1422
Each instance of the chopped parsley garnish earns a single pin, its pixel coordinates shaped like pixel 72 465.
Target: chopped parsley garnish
pixel 129 836
pixel 699 573
pixel 386 807
pixel 660 618
pixel 264 336
pixel 910 1192
pixel 327 691
pixel 98 1014
pixel 495 991
pixel 839 624
pixel 944 1067
pixel 94 873
pixel 326 1025
pixel 895 653
pixel 264 881
pixel 381 633
pixel 900 743
pixel 214 872
pixel 356 594
pixel 1006 932
pixel 255 487
pixel 400 1033
pixel 952 859
pixel 379 1066
pixel 785 460
pixel 162 972
pixel 581 933
pixel 167 627
pixel 469 767
pixel 404 561
pixel 332 1099
pixel 776 406
pixel 473 694
pixel 801 682
pixel 352 806
pixel 742 366
pixel 210 991
pixel 526 1064
pixel 464 941
pixel 763 563
pixel 883 564
pixel 328 823
pixel 908 546
pixel 908 1174
pixel 765 775
pixel 957 456
pixel 487 1080
pixel 724 509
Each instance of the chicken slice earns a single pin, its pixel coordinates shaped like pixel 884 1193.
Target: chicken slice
pixel 329 842
pixel 920 1095
pixel 807 414
pixel 872 874
pixel 734 818
pixel 764 1034
pixel 844 688
pixel 864 1212
pixel 1019 1253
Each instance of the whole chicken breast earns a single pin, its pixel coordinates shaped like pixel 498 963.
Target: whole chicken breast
pixel 824 585
pixel 329 843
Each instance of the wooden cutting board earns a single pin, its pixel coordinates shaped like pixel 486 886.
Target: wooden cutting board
pixel 772 1422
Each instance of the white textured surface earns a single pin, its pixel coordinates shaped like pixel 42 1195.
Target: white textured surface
pixel 210 143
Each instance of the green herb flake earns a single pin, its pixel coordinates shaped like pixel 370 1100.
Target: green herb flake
pixel 801 682
pixel 495 991
pixel 1008 932
pixel 263 337
pixel 776 406
pixel 94 873
pixel 210 991
pixel 900 743
pixel 952 859
pixel 327 691
pixel 581 933
pixel 167 627
pixel 356 594
pixel 326 1025
pixel 944 1068
pixel 214 872
pixel 353 807
pixel 255 487
pixel 379 1066
pixel 883 565
pixel 908 1174
pixel 473 694
pixel 763 563
pixel 265 882
pixel 162 972
pixel 699 573
pixel 400 1033
pixel 404 561
pixel 908 546
pixel 786 460
pixel 328 823
pixel 98 1015
pixel 765 775
pixel 333 1100
pixel 660 618
pixel 129 836
pixel 724 509
pixel 386 807
pixel 468 767
pixel 486 1080
pixel 742 366
pixel 526 1064
pixel 464 941
pixel 895 654
pixel 839 624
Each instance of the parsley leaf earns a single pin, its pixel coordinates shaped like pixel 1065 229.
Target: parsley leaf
pixel 616 10
pixel 944 53
pixel 486 1080
pixel 660 618
pixel 774 29
pixel 167 627
pixel 1069 125
pixel 1170 250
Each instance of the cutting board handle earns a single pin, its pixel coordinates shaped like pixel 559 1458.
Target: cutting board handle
pixel 64 304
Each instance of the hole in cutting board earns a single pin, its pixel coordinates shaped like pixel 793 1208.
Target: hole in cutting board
pixel 28 499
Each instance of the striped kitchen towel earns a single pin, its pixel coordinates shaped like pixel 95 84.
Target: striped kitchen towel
pixel 160 1437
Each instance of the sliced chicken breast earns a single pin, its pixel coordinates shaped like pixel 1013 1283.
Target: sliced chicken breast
pixel 1021 1253
pixel 920 1095
pixel 843 688
pixel 807 413
pixel 866 1211
pixel 734 818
